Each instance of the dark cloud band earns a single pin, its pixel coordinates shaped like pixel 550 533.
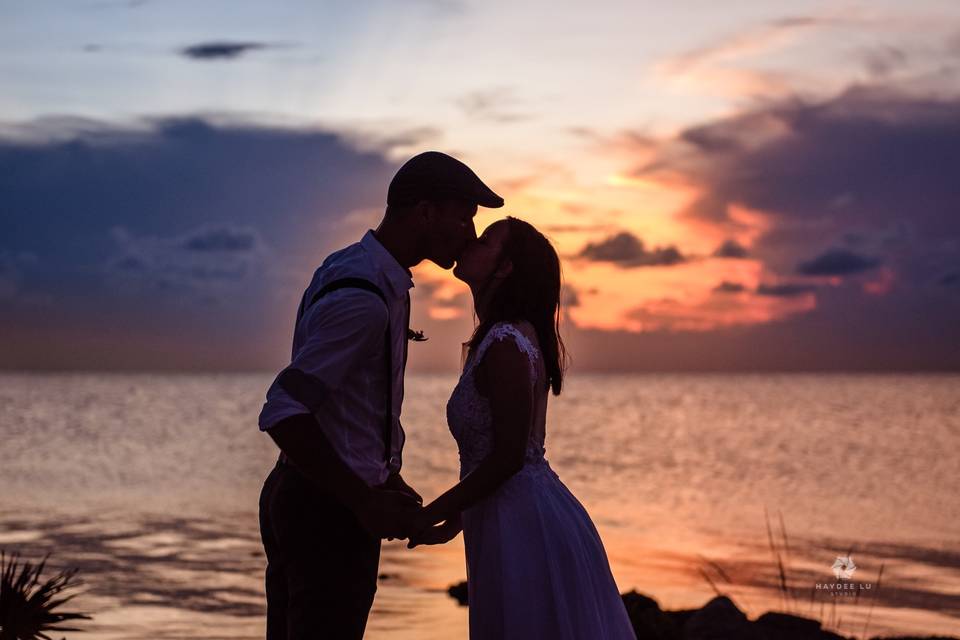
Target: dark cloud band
pixel 220 50
pixel 627 250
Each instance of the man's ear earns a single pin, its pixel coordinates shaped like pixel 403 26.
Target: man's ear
pixel 424 211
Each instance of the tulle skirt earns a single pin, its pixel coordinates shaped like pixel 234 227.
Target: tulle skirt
pixel 536 568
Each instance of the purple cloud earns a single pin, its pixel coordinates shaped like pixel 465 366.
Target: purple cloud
pixel 837 262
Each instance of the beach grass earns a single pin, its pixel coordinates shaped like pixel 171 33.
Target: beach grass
pixel 779 545
pixel 31 607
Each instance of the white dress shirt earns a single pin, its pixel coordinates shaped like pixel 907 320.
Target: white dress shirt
pixel 339 340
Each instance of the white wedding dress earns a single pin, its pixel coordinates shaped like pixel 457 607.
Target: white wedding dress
pixel 536 568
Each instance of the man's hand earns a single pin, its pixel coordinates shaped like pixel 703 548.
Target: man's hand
pixel 397 483
pixel 386 513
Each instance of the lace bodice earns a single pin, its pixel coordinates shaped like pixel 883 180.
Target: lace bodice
pixel 468 412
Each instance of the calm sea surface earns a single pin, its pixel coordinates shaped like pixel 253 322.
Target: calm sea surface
pixel 149 484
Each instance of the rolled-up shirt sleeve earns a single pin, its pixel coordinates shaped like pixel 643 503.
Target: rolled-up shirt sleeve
pixel 343 328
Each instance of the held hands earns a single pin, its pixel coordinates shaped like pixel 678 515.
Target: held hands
pixel 388 513
pixel 395 510
pixel 392 510
pixel 436 534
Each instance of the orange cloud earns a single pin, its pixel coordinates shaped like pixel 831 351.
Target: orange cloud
pixel 882 285
pixel 759 39
pixel 680 297
pixel 445 297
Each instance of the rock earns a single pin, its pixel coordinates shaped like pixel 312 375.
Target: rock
pixel 649 622
pixel 635 601
pixel 784 626
pixel 459 593
pixel 720 619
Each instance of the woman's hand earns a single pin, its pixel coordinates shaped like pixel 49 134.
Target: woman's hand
pixel 437 534
pixel 429 516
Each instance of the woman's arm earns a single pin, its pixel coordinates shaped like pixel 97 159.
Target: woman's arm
pixel 503 376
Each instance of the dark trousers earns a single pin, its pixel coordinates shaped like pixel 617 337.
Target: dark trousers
pixel 322 565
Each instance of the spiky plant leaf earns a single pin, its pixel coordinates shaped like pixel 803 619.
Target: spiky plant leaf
pixel 30 607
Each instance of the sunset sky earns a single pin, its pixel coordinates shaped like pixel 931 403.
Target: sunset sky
pixel 758 185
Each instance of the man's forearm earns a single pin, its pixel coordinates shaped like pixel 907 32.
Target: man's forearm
pixel 301 438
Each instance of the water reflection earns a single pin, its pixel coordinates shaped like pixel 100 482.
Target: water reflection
pixel 183 563
pixel 150 486
pixel 190 577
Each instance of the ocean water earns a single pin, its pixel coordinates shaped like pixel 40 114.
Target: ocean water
pixel 148 483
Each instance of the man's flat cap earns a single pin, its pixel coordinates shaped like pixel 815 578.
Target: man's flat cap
pixel 436 176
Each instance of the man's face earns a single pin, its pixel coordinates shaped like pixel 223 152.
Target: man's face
pixel 450 230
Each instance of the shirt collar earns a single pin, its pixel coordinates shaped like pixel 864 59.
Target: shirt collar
pixel 399 277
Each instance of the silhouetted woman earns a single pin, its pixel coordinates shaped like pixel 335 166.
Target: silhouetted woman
pixel 536 567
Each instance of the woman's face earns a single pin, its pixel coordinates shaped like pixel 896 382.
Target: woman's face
pixel 480 259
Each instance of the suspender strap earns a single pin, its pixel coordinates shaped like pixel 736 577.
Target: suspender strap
pixel 308 390
pixel 345 283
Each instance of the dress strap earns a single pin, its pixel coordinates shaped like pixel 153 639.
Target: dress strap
pixel 506 331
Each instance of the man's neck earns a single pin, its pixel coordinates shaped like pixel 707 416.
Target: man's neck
pixel 397 245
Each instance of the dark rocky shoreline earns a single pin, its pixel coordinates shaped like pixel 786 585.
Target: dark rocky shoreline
pixel 718 619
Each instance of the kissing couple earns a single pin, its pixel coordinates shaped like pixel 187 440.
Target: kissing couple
pixel 536 567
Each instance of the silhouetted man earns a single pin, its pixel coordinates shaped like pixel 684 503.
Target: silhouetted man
pixel 336 489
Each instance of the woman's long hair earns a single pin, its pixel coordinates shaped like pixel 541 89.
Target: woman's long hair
pixel 531 292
